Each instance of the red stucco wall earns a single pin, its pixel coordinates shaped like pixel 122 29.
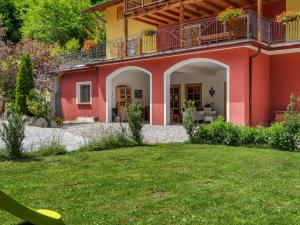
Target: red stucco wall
pixel 261 90
pixel 70 110
pixel 236 59
pixel 285 79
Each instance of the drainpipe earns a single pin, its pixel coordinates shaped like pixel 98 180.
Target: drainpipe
pixel 250 82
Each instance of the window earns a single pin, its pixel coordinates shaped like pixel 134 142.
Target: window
pixel 83 95
pixel 194 92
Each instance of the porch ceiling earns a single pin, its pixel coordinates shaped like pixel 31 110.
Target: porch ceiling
pixel 168 12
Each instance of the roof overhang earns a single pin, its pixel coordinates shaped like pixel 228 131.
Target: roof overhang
pixel 102 7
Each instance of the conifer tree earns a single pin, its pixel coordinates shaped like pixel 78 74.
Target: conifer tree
pixel 24 83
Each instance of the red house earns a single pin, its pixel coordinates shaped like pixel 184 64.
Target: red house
pixel 159 52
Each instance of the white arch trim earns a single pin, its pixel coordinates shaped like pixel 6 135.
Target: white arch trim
pixel 167 76
pixel 109 89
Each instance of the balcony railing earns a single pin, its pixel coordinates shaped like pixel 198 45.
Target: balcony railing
pixel 200 34
pixel 131 5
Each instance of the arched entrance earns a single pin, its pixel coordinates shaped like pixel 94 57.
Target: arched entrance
pixel 136 83
pixel 202 80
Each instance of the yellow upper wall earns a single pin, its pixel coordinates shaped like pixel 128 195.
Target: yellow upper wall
pixel 292 5
pixel 115 26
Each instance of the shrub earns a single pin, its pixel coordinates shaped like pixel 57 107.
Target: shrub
pixel 202 134
pixel 114 140
pixel 261 137
pixel 72 46
pixel 50 148
pixel 189 123
pixel 36 104
pixel 292 123
pixel 232 135
pixel 135 121
pixel 58 121
pixel 13 134
pixel 24 83
pixel 247 136
pixel 279 137
pixel 217 130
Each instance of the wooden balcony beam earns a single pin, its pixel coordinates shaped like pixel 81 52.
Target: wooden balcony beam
pixel 161 17
pixel 144 20
pixel 175 11
pixel 231 3
pixel 153 19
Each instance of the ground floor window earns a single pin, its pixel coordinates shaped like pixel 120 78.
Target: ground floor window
pixel 83 94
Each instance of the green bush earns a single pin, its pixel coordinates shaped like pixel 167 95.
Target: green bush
pixel 261 137
pixel 247 136
pixel 24 84
pixel 279 137
pixel 135 121
pixel 188 120
pixel 72 46
pixel 202 134
pixel 218 131
pixel 232 136
pixel 36 104
pixel 13 134
pixel 58 121
pixel 110 141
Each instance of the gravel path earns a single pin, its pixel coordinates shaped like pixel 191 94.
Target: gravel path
pixel 75 135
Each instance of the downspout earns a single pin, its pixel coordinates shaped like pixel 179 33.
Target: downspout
pixel 250 82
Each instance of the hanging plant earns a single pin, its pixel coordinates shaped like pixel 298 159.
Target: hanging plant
pixel 150 32
pixel 230 14
pixel 288 17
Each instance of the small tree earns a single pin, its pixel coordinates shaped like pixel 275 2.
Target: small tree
pixel 13 134
pixel 24 83
pixel 188 119
pixel 135 121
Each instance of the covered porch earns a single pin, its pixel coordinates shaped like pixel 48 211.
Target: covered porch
pixel 203 81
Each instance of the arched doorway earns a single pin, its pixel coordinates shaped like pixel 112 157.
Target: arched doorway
pixel 136 83
pixel 202 80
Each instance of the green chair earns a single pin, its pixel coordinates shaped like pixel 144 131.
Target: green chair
pixel 36 217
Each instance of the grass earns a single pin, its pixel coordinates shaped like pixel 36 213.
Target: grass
pixel 164 184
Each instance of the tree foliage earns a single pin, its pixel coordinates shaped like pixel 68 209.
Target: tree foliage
pixel 9 17
pixel 24 84
pixel 55 21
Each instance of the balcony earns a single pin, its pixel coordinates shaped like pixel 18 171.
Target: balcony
pixel 190 36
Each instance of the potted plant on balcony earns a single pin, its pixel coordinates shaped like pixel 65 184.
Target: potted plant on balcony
pixel 230 14
pixel 230 18
pixel 88 46
pixel 149 32
pixel 288 17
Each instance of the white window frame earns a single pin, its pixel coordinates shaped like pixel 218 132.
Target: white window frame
pixel 78 85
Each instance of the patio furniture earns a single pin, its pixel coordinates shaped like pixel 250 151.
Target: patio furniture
pixel 228 35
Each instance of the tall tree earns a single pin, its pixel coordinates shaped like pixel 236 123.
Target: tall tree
pixel 9 18
pixel 55 21
pixel 24 83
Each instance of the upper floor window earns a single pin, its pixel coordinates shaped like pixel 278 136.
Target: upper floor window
pixel 84 92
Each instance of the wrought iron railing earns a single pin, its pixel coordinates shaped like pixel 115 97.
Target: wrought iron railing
pixel 131 5
pixel 200 34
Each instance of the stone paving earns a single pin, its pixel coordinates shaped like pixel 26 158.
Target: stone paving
pixel 75 135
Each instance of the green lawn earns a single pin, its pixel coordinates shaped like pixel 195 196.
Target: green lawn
pixel 165 184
